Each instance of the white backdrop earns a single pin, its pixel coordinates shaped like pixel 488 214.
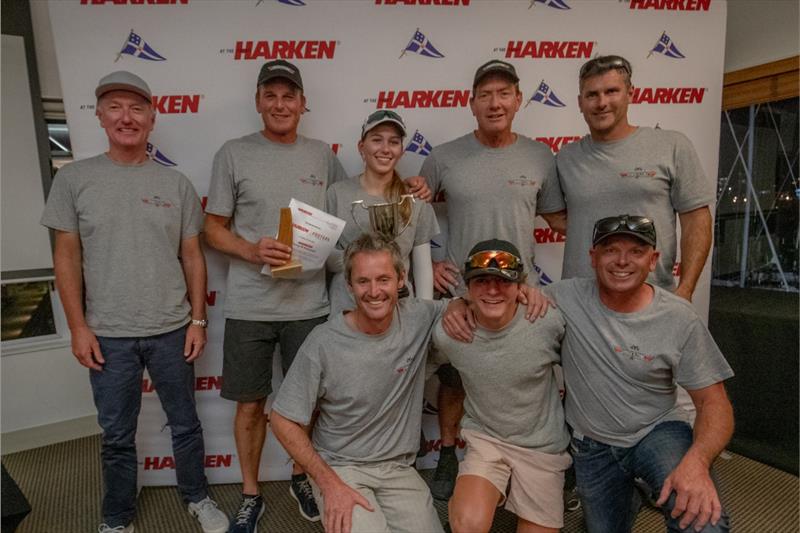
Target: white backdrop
pixel 201 59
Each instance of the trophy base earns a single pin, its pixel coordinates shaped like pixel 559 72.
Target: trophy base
pixel 289 270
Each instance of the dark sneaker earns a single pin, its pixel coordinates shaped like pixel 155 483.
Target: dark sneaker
pixel 246 518
pixel 571 500
pixel 300 490
pixel 444 479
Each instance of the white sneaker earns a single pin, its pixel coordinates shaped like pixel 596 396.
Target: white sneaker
pixel 211 519
pixel 105 528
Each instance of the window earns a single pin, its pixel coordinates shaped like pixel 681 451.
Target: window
pixel 758 194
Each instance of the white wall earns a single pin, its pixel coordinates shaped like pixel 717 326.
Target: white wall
pixel 46 387
pixel 761 31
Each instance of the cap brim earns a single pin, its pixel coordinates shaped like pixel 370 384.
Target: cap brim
pixel 500 71
pixel 369 127
pixel 108 87
pixel 635 235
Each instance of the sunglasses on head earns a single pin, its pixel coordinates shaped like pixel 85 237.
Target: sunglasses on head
pixel 501 260
pixel 604 63
pixel 638 225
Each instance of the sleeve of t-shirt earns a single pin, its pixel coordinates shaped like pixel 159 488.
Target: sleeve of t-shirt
pixel 439 345
pixel 330 201
pixel 701 363
pixel 302 386
pixel 335 169
pixel 60 212
pixel 430 171
pixel 192 212
pixel 551 198
pixel 222 190
pixel 690 188
pixel 427 225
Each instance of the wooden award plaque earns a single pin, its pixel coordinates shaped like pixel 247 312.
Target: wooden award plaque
pixel 285 236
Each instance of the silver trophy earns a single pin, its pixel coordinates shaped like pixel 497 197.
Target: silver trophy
pixel 385 218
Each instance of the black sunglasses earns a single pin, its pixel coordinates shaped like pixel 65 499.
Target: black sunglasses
pixel 641 227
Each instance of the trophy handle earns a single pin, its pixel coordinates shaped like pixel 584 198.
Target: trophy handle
pixel 353 213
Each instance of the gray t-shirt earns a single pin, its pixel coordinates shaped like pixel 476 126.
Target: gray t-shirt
pixel 651 172
pixel 251 180
pixel 131 220
pixel 368 387
pixel 421 229
pixel 621 369
pixel 493 193
pixel 512 393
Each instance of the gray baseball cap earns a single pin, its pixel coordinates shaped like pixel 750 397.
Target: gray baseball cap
pixel 380 117
pixel 122 80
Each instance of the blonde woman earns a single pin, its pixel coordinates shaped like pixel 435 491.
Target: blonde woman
pixel 381 147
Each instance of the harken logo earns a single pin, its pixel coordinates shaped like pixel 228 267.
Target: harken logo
pixel 137 47
pixel 670 5
pixel 548 49
pixel 177 103
pixel 422 99
pixel 312 180
pixel 168 462
pixel 547 236
pixel 201 383
pixel 267 50
pixel 557 143
pixel 668 95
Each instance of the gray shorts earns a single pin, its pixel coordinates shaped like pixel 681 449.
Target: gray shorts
pixel 247 351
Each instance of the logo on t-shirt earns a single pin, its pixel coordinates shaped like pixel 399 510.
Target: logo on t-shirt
pixel 633 352
pixel 637 172
pixel 157 201
pixel 523 181
pixel 313 181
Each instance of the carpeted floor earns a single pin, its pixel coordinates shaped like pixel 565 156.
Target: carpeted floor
pixel 63 485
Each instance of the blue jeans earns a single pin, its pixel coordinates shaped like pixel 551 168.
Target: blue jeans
pixel 605 475
pixel 118 397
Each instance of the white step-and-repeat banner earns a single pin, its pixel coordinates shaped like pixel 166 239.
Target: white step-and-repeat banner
pixel 201 59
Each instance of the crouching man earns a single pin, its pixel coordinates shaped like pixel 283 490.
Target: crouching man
pixel 627 345
pixel 364 369
pixel 513 419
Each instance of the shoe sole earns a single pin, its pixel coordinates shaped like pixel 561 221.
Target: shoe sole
pixel 300 508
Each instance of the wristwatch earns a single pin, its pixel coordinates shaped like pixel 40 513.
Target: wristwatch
pixel 203 323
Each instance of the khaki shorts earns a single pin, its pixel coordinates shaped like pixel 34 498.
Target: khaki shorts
pixel 536 490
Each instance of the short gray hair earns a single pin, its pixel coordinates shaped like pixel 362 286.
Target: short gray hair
pixel 372 243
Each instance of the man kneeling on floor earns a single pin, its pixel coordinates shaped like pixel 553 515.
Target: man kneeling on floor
pixel 364 369
pixel 627 344
pixel 513 419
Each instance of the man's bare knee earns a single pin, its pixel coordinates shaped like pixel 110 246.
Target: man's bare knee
pixel 464 519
